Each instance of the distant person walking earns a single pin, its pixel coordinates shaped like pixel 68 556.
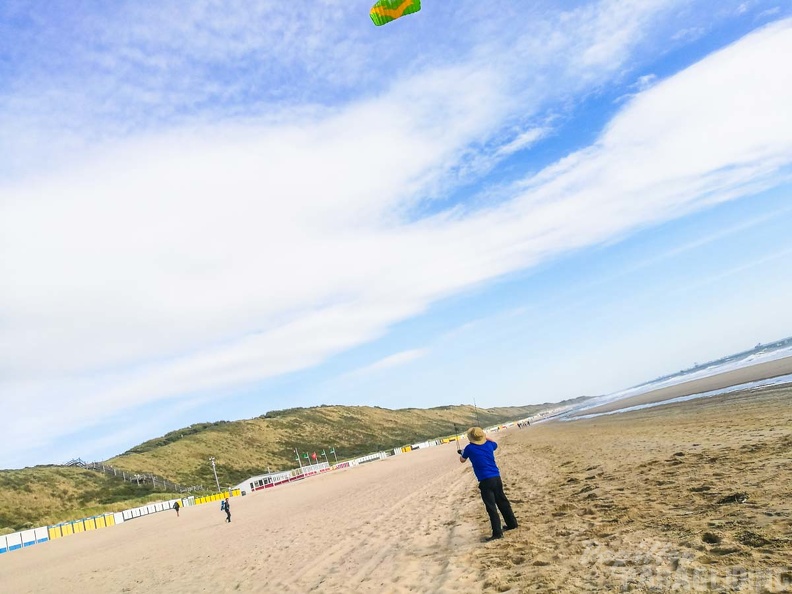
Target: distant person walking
pixel 225 506
pixel 481 452
pixel 176 506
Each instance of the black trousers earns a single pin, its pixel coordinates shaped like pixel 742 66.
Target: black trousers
pixel 495 499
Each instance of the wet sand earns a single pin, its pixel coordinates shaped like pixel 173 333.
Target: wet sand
pixel 737 377
pixel 694 496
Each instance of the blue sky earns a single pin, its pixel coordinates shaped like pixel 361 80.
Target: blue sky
pixel 215 210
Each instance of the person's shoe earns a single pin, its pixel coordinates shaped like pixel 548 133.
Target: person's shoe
pixel 493 537
pixel 507 528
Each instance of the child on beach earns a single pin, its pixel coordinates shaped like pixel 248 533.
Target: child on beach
pixel 481 452
pixel 225 506
pixel 176 506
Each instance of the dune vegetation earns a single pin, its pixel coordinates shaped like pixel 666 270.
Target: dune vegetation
pixel 48 494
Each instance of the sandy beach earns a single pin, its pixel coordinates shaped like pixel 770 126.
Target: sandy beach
pixel 694 496
pixel 753 373
pixel 686 497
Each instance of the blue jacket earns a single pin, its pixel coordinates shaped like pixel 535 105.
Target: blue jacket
pixel 482 457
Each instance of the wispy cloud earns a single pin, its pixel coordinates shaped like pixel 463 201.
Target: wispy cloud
pixel 395 360
pixel 769 13
pixel 214 255
pixel 82 79
pixel 782 255
pixel 522 141
pixel 689 34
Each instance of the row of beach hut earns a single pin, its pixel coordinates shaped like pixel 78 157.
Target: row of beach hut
pixel 26 538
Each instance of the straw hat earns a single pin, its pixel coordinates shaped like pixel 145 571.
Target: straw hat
pixel 476 435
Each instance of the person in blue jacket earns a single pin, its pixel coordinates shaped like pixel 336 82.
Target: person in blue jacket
pixel 226 507
pixel 481 453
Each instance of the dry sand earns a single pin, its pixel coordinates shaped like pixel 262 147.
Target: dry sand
pixel 686 497
pixel 694 496
pixel 752 373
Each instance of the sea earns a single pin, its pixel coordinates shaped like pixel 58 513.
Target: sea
pixel 761 353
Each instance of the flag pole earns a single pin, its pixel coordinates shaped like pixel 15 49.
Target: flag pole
pixel 298 459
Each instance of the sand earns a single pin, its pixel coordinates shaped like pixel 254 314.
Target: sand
pixel 753 373
pixel 694 496
pixel 688 497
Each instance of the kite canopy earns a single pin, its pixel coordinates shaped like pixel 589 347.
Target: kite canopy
pixel 385 11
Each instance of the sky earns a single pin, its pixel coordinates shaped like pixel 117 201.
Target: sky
pixel 213 210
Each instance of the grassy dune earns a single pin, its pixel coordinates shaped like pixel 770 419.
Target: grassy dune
pixel 48 494
pixel 247 447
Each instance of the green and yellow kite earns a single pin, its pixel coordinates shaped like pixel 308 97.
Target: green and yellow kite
pixel 385 11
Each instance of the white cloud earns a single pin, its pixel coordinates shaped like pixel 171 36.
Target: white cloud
pixel 734 271
pixel 216 257
pixel 689 34
pixel 522 141
pixel 83 82
pixel 645 81
pixel 770 12
pixel 395 360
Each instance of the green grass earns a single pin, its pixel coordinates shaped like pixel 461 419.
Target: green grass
pixel 50 494
pixel 44 495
